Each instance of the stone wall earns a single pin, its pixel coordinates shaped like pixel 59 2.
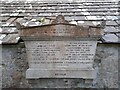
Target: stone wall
pixel 15 64
pixel 119 68
pixel 0 67
pixel 106 62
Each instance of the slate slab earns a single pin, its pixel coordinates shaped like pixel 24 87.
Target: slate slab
pixel 111 38
pixel 11 39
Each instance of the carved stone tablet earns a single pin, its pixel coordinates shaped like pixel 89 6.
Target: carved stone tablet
pixel 62 58
pixel 60 50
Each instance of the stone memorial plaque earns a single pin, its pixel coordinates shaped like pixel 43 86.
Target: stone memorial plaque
pixel 60 49
pixel 62 58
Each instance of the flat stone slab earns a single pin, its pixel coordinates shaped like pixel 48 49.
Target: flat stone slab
pixel 73 59
pixel 47 73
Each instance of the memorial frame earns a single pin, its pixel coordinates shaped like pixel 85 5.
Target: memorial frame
pixel 58 33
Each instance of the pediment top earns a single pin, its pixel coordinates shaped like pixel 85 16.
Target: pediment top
pixel 60 19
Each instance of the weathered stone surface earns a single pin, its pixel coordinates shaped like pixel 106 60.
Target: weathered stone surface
pixel 60 59
pixel 57 29
pixel 88 23
pixel 111 29
pixel 14 65
pixel 102 52
pixel 0 67
pixel 11 38
pixel 105 63
pixel 110 38
pixel 35 73
pixel 56 50
pixel 111 23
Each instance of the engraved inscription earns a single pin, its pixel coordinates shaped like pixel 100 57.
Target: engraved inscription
pixel 60 74
pixel 62 54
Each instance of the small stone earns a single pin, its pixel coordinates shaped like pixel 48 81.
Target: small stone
pixel 16 76
pixel 96 23
pixel 33 20
pixel 73 22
